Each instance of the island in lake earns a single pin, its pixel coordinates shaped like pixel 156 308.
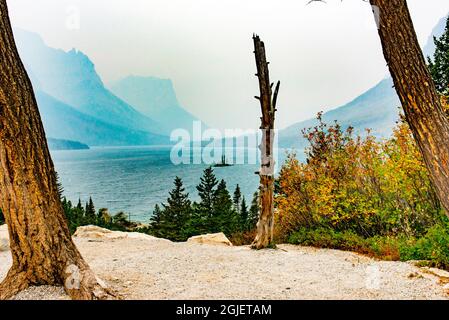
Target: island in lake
pixel 59 144
pixel 222 163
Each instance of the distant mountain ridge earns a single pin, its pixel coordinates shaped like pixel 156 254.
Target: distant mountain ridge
pixel 58 144
pixel 65 122
pixel 438 30
pixel 155 98
pixel 74 103
pixel 71 78
pixel 377 109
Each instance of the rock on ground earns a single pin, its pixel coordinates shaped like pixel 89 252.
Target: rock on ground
pixel 144 267
pixel 94 232
pixel 212 239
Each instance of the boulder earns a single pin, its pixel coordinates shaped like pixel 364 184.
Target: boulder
pixel 97 233
pixel 212 239
pixel 4 238
pixel 94 232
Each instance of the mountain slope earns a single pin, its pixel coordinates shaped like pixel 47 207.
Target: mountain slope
pixel 58 144
pixel 437 32
pixel 65 122
pixel 156 99
pixel 376 109
pixel 70 77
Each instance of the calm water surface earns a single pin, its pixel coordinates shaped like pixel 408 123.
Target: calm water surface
pixel 135 179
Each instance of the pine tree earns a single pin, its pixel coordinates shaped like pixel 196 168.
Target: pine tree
pixel 156 221
pixel 201 221
pixel 206 189
pixel 78 214
pixel 177 212
pixel 59 186
pixel 90 214
pixel 172 222
pixel 224 217
pixel 254 212
pixel 439 66
pixel 79 206
pixel 244 214
pixel 70 215
pixel 237 198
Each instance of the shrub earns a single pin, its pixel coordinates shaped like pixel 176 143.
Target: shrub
pixel 433 247
pixel 329 238
pixel 357 193
pixel 357 184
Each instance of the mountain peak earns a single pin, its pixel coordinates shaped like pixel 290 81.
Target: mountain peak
pixel 438 30
pixel 71 78
pixel 155 98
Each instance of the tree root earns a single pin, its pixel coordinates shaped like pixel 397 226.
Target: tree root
pixel 82 284
pixel 79 285
pixel 13 283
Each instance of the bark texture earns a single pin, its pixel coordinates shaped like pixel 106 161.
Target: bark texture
pixel 42 250
pixel 264 236
pixel 416 90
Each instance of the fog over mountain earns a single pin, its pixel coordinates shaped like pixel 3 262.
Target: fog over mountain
pixel 65 122
pixel 377 109
pixel 71 78
pixel 140 110
pixel 155 98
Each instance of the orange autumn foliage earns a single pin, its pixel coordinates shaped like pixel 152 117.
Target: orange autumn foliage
pixel 357 184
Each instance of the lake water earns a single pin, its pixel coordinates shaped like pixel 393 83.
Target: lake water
pixel 135 179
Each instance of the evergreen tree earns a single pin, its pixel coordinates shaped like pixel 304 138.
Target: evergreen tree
pixel 177 212
pixel 172 222
pixel 156 222
pixel 206 190
pixel 244 214
pixel 439 67
pixel 224 217
pixel 254 211
pixel 69 213
pixel 90 214
pixel 79 206
pixel 78 214
pixel 237 198
pixel 203 211
pixel 59 186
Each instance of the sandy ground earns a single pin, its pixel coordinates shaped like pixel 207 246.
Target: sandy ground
pixel 150 268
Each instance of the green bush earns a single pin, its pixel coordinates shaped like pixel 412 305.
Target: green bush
pixel 433 247
pixel 329 238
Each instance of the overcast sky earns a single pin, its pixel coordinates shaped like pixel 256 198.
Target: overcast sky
pixel 324 54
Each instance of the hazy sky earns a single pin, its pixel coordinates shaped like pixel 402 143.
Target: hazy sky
pixel 324 54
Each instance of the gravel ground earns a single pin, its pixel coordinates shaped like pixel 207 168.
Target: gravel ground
pixel 144 267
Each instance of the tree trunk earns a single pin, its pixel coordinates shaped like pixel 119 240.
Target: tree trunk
pixel 416 90
pixel 264 236
pixel 42 250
